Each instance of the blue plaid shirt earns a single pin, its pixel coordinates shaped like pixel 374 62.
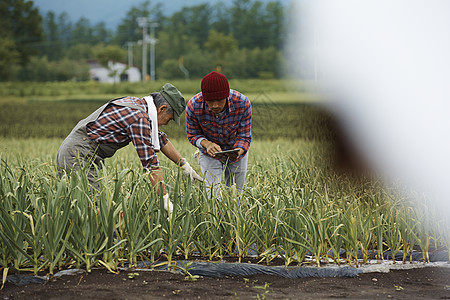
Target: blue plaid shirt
pixel 230 130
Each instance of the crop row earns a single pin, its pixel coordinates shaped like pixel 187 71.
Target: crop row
pixel 292 206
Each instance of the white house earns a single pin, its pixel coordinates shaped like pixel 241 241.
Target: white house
pixel 116 72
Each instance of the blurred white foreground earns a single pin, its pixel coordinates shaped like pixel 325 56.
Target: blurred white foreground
pixel 385 66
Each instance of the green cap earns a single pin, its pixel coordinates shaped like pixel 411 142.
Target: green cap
pixel 175 99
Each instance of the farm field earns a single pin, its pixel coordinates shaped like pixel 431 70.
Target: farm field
pixel 429 282
pixel 294 204
pixel 295 209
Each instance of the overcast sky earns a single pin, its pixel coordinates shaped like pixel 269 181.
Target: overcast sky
pixel 113 11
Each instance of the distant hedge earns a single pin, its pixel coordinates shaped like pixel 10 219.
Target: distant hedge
pixel 48 119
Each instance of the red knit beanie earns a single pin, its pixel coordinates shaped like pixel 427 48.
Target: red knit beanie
pixel 215 87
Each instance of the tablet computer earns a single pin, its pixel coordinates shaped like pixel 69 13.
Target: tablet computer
pixel 227 152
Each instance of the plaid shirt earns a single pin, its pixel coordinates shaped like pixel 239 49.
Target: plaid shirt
pixel 230 130
pixel 121 124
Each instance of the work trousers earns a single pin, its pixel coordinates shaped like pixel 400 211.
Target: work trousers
pixel 214 170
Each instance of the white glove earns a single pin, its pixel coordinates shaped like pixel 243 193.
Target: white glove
pixel 168 206
pixel 188 171
pixel 197 155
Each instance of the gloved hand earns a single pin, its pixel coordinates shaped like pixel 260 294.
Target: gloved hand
pixel 168 206
pixel 188 171
pixel 197 155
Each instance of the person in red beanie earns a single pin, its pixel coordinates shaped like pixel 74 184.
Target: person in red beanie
pixel 219 119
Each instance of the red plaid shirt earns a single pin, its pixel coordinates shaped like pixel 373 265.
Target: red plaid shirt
pixel 119 124
pixel 230 130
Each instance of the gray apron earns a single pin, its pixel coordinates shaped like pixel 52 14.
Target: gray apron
pixel 78 149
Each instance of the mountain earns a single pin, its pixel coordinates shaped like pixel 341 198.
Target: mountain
pixel 111 12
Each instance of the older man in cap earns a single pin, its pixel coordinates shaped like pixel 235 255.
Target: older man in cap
pixel 120 121
pixel 218 122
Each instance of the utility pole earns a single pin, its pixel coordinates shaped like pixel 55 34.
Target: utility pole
pixel 143 24
pixel 153 41
pixel 130 53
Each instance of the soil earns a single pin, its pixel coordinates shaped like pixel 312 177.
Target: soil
pixel 420 283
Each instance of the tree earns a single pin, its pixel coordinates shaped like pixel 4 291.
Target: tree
pixel 193 22
pixel 241 22
pixel 265 22
pixel 21 22
pixel 244 37
pixel 199 63
pixel 220 20
pixel 236 64
pixel 172 46
pixel 65 29
pixel 128 30
pixel 52 46
pixel 9 56
pixel 221 44
pixel 71 70
pixel 82 31
pixel 254 63
pixel 254 19
pixel 40 69
pixel 80 52
pixel 104 54
pixel 37 69
pixel 274 24
pixel 170 69
pixel 100 34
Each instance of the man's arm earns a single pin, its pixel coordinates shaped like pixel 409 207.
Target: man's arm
pixel 156 176
pixel 169 150
pixel 193 129
pixel 139 133
pixel 173 154
pixel 244 132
